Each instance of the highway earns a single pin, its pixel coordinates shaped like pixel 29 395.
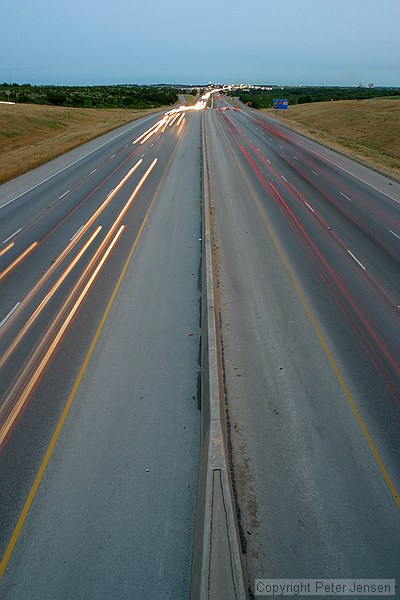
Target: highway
pixel 100 345
pixel 99 358
pixel 306 250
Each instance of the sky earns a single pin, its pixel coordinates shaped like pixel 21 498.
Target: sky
pixel 286 42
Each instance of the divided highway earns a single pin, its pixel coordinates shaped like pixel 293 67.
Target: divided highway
pixel 100 274
pixel 306 249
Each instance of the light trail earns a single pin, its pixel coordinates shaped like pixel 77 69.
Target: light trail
pixel 366 329
pixel 21 390
pixel 111 195
pixel 134 193
pixel 18 260
pixel 7 248
pixel 68 249
pixel 46 299
pixel 165 125
pixel 156 130
pixel 34 378
pixel 148 131
pixel 173 120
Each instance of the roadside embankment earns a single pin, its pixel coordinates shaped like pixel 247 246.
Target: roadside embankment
pixel 31 135
pixel 366 130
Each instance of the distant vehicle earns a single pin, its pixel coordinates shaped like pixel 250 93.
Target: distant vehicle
pixel 225 108
pixel 235 108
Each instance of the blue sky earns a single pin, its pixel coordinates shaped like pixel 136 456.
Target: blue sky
pixel 293 42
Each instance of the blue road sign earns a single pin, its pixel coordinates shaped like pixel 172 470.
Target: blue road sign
pixel 281 103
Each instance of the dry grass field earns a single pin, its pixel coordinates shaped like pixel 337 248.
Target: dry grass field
pixel 31 134
pixel 368 130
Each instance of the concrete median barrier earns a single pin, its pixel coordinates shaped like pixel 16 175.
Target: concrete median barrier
pixel 217 570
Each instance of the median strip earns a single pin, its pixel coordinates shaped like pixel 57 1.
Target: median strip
pixel 217 570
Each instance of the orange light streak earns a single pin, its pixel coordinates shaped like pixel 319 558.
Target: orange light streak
pixel 148 131
pixel 46 299
pixel 18 260
pixel 110 197
pixel 23 395
pixel 12 416
pixel 166 125
pixel 153 132
pixel 181 119
pixel 136 190
pixel 7 248
pixel 67 250
pixel 174 119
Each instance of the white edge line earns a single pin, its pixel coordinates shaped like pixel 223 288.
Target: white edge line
pixel 357 261
pixel 326 159
pixel 332 162
pixel 70 165
pixel 12 311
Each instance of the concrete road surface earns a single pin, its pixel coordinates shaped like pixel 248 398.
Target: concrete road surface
pixel 308 281
pixel 113 513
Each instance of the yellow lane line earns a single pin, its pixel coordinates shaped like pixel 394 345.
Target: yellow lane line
pixel 317 330
pixel 43 466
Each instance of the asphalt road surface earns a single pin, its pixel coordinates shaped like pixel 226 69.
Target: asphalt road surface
pixel 99 351
pixel 307 248
pixel 99 358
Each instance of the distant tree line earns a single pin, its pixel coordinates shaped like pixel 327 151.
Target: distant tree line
pixel 113 96
pixel 303 95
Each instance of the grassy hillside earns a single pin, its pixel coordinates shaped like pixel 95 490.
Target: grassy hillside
pixel 31 135
pixel 368 130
